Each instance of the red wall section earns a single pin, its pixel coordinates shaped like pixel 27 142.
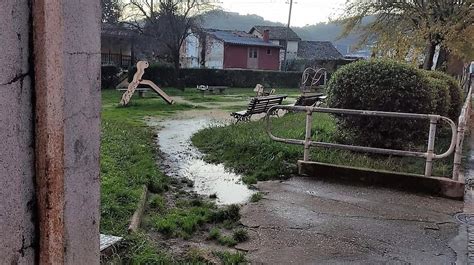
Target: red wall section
pixel 237 56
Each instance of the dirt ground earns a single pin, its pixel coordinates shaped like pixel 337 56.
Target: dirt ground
pixel 306 221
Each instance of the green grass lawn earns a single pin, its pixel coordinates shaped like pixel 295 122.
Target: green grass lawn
pixel 127 157
pixel 246 148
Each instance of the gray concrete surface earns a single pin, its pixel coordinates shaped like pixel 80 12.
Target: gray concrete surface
pixel 82 130
pixel 17 202
pixel 306 221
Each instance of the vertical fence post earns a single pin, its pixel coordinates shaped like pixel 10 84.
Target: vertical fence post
pixel 459 145
pixel 431 143
pixel 307 140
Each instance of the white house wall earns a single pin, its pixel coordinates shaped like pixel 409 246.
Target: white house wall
pixel 214 53
pixel 190 52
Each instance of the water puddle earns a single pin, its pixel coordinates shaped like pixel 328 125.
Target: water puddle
pixel 183 160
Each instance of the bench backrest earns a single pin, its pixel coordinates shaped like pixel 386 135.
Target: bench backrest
pixel 262 104
pixel 308 100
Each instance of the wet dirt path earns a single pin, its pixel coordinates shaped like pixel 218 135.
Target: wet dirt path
pixel 180 159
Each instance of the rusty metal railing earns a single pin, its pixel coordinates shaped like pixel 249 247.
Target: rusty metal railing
pixel 429 155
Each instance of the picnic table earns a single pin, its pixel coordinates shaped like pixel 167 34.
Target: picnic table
pixel 310 99
pixel 211 89
pixel 141 91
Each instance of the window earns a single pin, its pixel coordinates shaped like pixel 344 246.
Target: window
pixel 253 53
pixel 269 51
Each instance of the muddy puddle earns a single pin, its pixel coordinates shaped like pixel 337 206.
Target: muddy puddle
pixel 182 160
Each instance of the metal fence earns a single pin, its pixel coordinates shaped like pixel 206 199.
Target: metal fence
pixel 429 155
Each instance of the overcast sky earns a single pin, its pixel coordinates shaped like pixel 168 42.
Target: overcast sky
pixel 304 11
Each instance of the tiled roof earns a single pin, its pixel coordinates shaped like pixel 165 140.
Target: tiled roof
pixel 239 38
pixel 318 50
pixel 277 32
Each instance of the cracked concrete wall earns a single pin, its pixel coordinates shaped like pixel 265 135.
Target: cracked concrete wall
pixel 82 130
pixel 17 228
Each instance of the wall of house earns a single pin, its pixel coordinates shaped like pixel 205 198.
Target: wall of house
pixel 190 52
pixel 214 53
pixel 237 57
pixel 268 61
pixel 116 46
pixel 17 194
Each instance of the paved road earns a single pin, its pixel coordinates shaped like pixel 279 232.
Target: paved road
pixel 306 221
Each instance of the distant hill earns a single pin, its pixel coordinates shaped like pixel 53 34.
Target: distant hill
pixel 322 31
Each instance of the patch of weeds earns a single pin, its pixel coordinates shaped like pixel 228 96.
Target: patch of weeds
pixel 229 258
pixel 249 180
pixel 165 226
pixel 139 249
pixel 230 213
pixel 227 241
pixel 157 203
pixel 240 235
pixel 197 256
pixel 184 220
pixel 256 197
pixel 214 234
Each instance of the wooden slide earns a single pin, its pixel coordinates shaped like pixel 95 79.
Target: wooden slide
pixel 137 80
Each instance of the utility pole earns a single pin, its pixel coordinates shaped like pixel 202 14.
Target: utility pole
pixel 285 65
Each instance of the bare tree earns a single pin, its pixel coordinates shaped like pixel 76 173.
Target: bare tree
pixel 168 22
pixel 408 27
pixel 111 11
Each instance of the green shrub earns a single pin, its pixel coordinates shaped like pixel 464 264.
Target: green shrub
pixel 166 226
pixel 455 92
pixel 384 86
pixel 109 76
pixel 240 235
pixel 163 75
pixel 442 98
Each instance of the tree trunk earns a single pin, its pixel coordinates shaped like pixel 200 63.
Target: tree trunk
pixel 442 59
pixel 429 54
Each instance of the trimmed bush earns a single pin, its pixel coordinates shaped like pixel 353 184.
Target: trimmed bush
pixel 442 98
pixel 163 75
pixel 381 85
pixel 455 93
pixel 109 76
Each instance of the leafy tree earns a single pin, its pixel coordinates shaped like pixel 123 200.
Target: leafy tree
pixel 111 11
pixel 167 22
pixel 410 28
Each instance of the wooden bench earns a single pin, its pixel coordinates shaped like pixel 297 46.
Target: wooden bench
pixel 310 99
pixel 259 105
pixel 141 91
pixel 211 89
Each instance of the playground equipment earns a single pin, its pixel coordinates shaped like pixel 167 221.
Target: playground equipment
pixel 137 80
pixel 312 78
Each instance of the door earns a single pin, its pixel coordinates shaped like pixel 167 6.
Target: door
pixel 252 60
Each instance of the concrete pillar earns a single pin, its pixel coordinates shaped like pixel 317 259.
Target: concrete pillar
pixel 49 213
pixel 67 73
pixel 17 201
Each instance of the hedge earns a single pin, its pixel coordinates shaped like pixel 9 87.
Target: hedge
pixel 455 92
pixel 381 85
pixel 109 76
pixel 165 76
